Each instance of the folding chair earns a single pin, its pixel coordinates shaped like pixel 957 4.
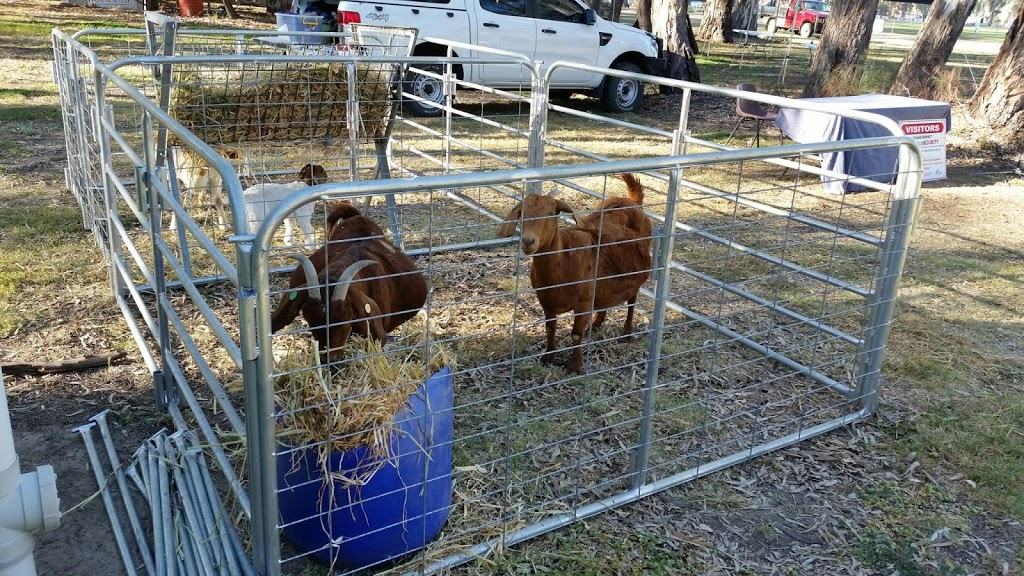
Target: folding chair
pixel 748 109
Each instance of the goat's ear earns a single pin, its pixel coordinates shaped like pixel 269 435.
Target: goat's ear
pixel 289 307
pixel 318 174
pixel 339 211
pixel 366 309
pixel 508 227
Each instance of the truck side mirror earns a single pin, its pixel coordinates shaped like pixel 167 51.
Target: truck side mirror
pixel 589 17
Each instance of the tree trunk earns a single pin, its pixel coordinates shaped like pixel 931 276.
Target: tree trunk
pixel 1000 99
pixel 671 23
pixel 843 44
pixel 616 10
pixel 923 65
pixel 744 15
pixel 716 25
pixel 229 7
pixel 643 14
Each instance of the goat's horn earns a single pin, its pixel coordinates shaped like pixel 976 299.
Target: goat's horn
pixel 554 192
pixel 312 278
pixel 346 278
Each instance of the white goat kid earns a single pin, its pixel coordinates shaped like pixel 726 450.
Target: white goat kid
pixel 262 199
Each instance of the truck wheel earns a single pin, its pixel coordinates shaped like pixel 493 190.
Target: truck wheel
pixel 806 29
pixel 621 94
pixel 426 88
pixel 771 26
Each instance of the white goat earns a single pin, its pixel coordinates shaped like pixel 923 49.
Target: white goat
pixel 262 199
pixel 194 175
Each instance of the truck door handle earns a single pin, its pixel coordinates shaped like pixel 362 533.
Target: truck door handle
pixel 491 25
pixel 548 31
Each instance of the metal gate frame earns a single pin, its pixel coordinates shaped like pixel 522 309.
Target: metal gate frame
pixel 95 133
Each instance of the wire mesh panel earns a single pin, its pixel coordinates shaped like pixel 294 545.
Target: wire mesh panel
pixel 707 374
pixel 526 327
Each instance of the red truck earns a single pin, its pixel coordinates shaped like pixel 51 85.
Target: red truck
pixel 807 16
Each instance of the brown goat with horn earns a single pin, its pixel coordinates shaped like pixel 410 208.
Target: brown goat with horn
pixel 611 245
pixel 358 282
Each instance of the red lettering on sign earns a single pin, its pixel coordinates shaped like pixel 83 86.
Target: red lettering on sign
pixel 918 128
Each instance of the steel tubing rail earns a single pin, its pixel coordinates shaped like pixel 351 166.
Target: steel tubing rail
pixel 167 200
pixel 810 273
pixel 768 352
pixel 212 321
pixel 803 167
pixel 135 294
pixel 732 289
pixel 211 436
pixel 595 508
pixel 258 384
pixel 733 93
pixel 739 199
pixel 137 335
pixel 219 395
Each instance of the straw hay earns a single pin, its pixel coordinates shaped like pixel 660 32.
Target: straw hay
pixel 282 102
pixel 357 404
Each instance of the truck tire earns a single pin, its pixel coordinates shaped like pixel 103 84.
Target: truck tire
pixel 805 30
pixel 621 94
pixel 427 88
pixel 771 26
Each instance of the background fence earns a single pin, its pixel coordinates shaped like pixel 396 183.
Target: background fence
pixel 763 322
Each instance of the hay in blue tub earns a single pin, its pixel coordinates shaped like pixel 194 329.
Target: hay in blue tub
pixel 400 508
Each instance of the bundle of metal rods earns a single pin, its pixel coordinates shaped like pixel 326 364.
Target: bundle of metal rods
pixel 189 530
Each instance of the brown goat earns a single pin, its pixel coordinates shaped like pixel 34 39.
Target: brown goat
pixel 356 283
pixel 615 240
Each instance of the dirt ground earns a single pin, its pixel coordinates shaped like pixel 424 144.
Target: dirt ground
pixel 861 500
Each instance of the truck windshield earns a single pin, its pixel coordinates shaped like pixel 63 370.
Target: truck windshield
pixel 816 6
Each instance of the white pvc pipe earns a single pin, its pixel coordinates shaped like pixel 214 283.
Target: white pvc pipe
pixel 28 502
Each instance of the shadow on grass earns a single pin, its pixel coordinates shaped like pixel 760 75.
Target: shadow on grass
pixel 49 113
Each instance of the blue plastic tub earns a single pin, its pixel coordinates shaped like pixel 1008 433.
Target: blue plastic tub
pixel 403 506
pixel 301 23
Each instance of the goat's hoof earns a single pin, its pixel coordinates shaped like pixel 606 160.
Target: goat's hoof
pixel 574 369
pixel 548 358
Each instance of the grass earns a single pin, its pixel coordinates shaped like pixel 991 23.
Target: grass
pixel 21 28
pixel 36 255
pixel 30 114
pixel 910 519
pixel 984 33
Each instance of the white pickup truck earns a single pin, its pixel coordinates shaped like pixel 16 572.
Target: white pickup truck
pixel 543 30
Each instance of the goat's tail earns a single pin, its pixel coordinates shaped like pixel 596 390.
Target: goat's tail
pixel 634 188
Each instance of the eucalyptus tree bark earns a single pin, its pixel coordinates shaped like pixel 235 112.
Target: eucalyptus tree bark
pixel 1000 99
pixel 717 22
pixel 670 22
pixel 643 14
pixel 923 65
pixel 744 15
pixel 843 43
pixel 616 10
